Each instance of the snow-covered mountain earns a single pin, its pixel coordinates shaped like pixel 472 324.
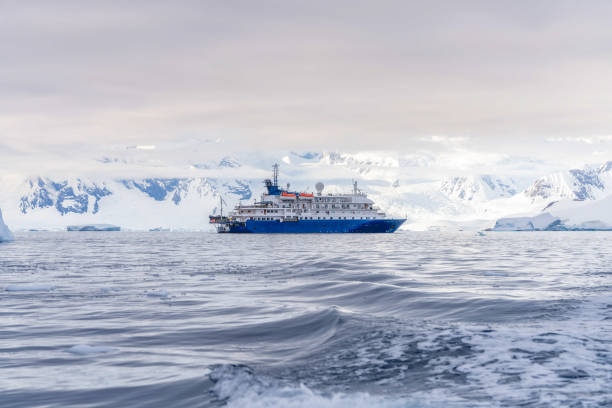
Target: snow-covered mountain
pixel 472 201
pixel 573 199
pixel 576 184
pixel 178 203
pixel 480 187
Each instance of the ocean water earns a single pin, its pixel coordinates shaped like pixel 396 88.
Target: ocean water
pixel 121 319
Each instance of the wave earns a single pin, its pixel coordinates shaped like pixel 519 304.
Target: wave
pixel 186 393
pixel 406 300
pixel 533 363
pixel 239 386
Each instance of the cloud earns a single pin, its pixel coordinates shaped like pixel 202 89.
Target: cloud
pixel 80 81
pixel 444 139
pixel 581 139
pixel 142 147
pixel 300 75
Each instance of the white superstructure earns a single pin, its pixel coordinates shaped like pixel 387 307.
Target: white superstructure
pixel 316 207
pixel 285 205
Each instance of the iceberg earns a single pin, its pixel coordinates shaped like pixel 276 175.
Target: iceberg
pixel 93 227
pixel 542 222
pixel 5 233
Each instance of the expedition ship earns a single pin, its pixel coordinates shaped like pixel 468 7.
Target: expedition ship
pixel 284 211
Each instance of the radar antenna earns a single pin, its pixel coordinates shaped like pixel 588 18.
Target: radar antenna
pixel 319 187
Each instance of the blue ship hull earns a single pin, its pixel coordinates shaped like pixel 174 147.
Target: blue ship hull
pixel 316 226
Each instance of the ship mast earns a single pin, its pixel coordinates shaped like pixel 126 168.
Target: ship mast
pixel 275 176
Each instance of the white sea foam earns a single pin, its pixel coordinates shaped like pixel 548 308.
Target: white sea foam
pixel 30 288
pixel 240 387
pixel 552 362
pixel 87 349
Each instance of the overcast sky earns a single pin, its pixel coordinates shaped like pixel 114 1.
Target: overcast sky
pixel 525 78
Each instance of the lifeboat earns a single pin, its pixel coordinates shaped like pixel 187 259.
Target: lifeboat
pixel 306 195
pixel 287 195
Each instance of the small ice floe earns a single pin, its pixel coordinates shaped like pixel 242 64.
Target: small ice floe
pixel 87 349
pixel 30 288
pixel 159 293
pixel 93 227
